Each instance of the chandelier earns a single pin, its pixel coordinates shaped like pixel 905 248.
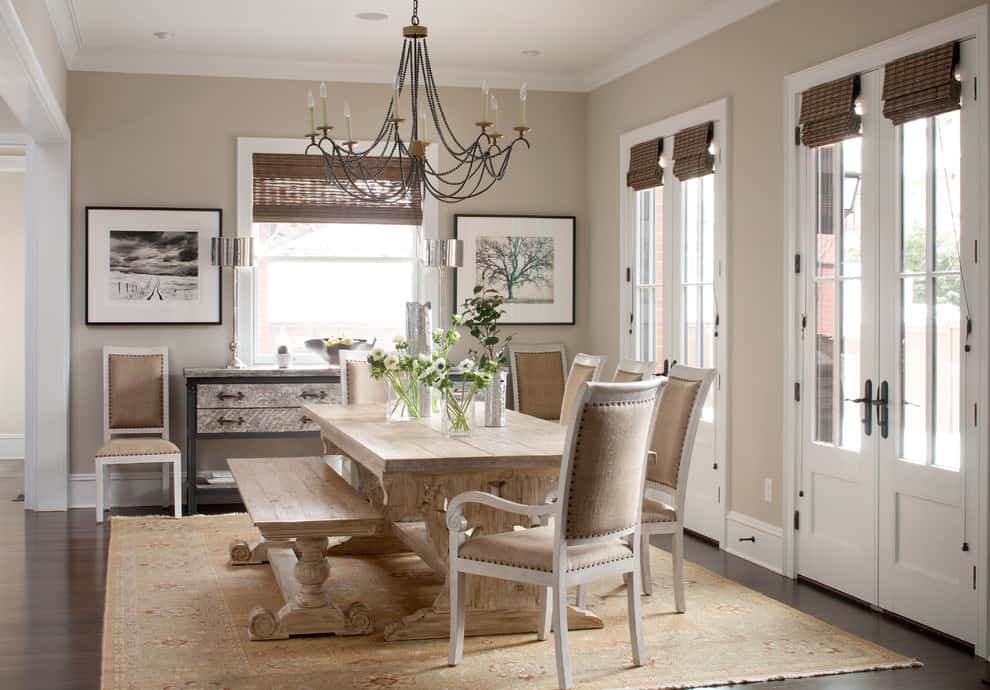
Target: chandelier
pixel 390 168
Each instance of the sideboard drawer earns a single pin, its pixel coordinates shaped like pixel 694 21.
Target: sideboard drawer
pixel 241 395
pixel 254 420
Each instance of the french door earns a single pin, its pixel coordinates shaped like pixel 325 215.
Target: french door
pixel 889 366
pixel 675 316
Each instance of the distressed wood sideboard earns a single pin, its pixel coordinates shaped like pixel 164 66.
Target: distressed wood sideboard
pixel 250 403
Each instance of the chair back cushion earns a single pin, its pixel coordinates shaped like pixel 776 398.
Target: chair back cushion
pixel 136 391
pixel 605 488
pixel 361 388
pixel 670 432
pixel 579 373
pixel 540 379
pixel 621 376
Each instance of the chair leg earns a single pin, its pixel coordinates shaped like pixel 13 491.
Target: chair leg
pixel 458 585
pixel 564 680
pixel 177 487
pixel 644 559
pixel 99 491
pixel 166 483
pixel 632 579
pixel 678 560
pixel 546 609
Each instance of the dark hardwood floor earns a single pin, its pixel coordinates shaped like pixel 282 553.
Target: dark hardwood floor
pixel 52 584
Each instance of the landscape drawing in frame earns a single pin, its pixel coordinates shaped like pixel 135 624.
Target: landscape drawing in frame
pixel 528 260
pixel 151 266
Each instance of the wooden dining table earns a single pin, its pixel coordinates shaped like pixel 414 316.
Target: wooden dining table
pixel 409 470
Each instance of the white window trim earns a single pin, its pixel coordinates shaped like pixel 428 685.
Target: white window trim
pixel 717 112
pixel 246 148
pixel 971 24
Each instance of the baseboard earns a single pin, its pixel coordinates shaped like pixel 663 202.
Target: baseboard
pixel 763 545
pixel 11 446
pixel 126 491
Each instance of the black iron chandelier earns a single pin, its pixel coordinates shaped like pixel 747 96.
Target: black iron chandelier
pixel 390 168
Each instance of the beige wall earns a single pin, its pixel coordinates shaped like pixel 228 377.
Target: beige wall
pixel 747 62
pixel 37 24
pixel 12 303
pixel 170 141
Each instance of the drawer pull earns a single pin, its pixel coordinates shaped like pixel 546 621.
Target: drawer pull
pixel 752 539
pixel 322 395
pixel 223 420
pixel 239 395
pixel 305 420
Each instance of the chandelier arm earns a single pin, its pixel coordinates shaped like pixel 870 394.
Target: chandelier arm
pixel 475 170
pixel 436 99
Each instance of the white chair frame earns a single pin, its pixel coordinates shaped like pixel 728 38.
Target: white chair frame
pixel 514 369
pixel 676 528
pixel 645 370
pixel 556 582
pixel 596 362
pixel 168 461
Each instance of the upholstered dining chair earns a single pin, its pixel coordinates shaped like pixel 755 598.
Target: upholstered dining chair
pixel 356 388
pixel 584 368
pixel 634 370
pixel 538 376
pixel 135 420
pixel 595 530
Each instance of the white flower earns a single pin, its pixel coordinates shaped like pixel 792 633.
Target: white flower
pixel 378 353
pixel 454 336
pixel 466 363
pixel 400 342
pixel 437 333
pixel 424 358
pixel 391 362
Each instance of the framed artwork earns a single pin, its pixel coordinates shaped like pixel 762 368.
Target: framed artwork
pixel 529 260
pixel 151 266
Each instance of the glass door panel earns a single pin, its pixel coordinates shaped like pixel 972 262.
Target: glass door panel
pixel 649 294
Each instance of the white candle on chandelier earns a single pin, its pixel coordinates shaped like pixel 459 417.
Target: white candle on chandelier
pixel 494 113
pixel 523 95
pixel 311 104
pixel 484 101
pixel 323 99
pixel 347 119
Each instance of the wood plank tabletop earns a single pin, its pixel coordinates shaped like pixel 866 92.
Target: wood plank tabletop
pixel 418 446
pixel 299 497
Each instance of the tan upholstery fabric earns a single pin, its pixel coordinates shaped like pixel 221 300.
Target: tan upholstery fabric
pixel 626 376
pixel 136 391
pixel 361 388
pixel 533 549
pixel 657 511
pixel 136 446
pixel 540 379
pixel 673 419
pixel 579 374
pixel 607 471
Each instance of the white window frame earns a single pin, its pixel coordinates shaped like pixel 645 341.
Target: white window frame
pixel 426 282
pixel 717 112
pixel 971 24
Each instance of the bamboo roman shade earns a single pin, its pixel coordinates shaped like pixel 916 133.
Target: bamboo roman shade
pixel 922 84
pixel 291 188
pixel 828 112
pixel 691 155
pixel 644 165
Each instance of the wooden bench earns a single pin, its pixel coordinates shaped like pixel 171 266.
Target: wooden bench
pixel 297 504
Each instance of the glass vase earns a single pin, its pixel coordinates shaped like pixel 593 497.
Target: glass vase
pixel 402 399
pixel 457 411
pixel 495 399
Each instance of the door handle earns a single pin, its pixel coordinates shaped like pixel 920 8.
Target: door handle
pixel 867 402
pixel 881 400
pixel 667 364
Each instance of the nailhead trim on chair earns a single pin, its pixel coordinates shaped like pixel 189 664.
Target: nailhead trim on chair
pixel 541 570
pixel 123 455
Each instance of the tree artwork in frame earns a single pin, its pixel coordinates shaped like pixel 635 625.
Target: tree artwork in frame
pixel 528 260
pixel 151 266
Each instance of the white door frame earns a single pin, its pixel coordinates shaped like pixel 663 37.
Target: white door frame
pixel 970 24
pixel 717 112
pixel 27 92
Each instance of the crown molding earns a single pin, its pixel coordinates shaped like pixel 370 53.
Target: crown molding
pixel 708 20
pixel 66 24
pixel 192 64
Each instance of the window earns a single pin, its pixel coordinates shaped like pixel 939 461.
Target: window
pixel 649 275
pixel 315 280
pixel 324 265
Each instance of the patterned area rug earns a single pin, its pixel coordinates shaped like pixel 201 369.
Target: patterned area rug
pixel 176 616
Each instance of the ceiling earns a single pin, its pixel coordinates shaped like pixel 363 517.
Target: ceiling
pixel 582 43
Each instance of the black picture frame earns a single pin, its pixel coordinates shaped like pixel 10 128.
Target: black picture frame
pixel 571 320
pixel 88 309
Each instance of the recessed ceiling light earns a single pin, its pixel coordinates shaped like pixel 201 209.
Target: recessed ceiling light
pixel 371 16
pixel 164 35
pixel 532 52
